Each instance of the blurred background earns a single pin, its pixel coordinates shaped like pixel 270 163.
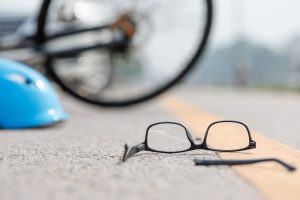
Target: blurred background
pixel 253 43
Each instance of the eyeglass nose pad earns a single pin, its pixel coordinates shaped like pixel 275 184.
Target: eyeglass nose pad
pixel 191 137
pixel 198 140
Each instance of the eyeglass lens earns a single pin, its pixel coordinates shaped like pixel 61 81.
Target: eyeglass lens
pixel 227 136
pixel 168 137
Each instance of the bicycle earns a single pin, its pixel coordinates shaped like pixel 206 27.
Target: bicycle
pixel 118 53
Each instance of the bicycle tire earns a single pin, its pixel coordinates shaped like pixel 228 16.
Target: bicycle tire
pixel 41 38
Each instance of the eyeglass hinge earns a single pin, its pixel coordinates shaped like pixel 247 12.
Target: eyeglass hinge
pixel 141 147
pixel 253 144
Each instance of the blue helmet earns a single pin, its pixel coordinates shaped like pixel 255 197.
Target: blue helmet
pixel 27 98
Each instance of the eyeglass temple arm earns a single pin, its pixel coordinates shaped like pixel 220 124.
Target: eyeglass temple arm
pixel 129 152
pixel 243 162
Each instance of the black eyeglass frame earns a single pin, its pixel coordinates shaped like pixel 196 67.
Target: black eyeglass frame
pixel 193 146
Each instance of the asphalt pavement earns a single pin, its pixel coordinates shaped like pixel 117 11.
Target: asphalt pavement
pixel 80 159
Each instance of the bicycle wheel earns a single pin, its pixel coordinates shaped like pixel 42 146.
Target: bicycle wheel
pixel 132 50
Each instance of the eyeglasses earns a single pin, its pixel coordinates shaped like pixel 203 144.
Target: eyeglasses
pixel 172 137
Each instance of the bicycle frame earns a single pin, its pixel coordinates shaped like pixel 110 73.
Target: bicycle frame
pixel 29 49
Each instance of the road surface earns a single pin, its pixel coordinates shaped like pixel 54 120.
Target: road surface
pixel 80 159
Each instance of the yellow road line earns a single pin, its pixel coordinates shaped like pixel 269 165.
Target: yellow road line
pixel 271 179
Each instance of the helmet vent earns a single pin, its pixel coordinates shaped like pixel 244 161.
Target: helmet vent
pixel 20 79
